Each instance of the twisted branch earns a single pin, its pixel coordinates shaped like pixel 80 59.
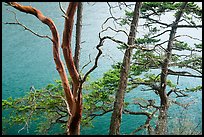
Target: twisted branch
pixel 56 44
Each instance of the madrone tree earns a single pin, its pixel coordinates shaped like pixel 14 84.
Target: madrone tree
pixel 73 93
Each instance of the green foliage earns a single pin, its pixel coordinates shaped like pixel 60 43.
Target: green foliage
pixel 137 70
pixel 158 7
pixel 122 46
pixel 195 61
pixel 193 8
pixel 180 45
pixel 199 46
pixel 146 60
pixel 127 19
pixel 101 90
pixel 36 105
pixel 149 77
pixel 192 13
pixel 86 122
pixel 146 40
pixel 170 84
pixel 100 98
pixel 175 58
pixel 154 10
pixel 124 21
pixel 194 89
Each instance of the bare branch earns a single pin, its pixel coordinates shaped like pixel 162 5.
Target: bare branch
pixel 63 11
pixel 96 60
pixel 127 5
pixel 147 122
pixel 26 28
pixel 101 114
pixel 67 105
pixel 153 85
pixel 176 91
pixel 150 103
pixel 189 26
pixel 156 21
pixel 110 11
pixel 183 74
pixel 185 106
pixel 92 4
pixel 25 126
pixel 160 34
pixel 114 21
pixel 136 113
pixel 115 30
pixel 61 109
pixel 86 63
pixel 100 52
pixel 32 111
pixel 188 36
pixel 55 39
pixel 185 65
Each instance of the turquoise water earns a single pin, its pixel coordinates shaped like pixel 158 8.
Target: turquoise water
pixel 27 60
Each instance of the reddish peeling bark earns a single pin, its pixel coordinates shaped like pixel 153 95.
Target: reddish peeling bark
pixel 74 120
pixel 56 44
pixel 74 102
pixel 76 111
pixel 66 45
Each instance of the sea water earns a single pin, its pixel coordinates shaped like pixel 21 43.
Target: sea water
pixel 27 60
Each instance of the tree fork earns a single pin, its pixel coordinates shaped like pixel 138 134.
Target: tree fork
pixel 75 105
pixel 55 39
pixel 66 45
